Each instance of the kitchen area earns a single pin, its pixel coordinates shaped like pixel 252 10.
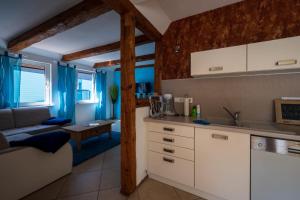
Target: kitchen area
pixel 243 143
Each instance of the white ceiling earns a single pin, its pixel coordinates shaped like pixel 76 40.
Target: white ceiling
pixel 162 12
pixel 17 16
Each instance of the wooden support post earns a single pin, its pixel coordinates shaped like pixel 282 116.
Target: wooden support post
pixel 157 67
pixel 128 132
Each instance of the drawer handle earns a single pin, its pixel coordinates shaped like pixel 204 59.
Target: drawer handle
pixel 169 160
pixel 169 129
pixel 168 150
pixel 286 62
pixel 219 137
pixel 217 68
pixel 168 139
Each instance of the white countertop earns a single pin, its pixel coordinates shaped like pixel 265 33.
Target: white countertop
pixel 274 130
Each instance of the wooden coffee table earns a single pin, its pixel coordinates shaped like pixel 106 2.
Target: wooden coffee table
pixel 80 132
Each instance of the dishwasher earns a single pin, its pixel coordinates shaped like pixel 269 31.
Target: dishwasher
pixel 275 169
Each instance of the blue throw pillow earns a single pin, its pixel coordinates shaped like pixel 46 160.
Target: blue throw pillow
pixel 56 121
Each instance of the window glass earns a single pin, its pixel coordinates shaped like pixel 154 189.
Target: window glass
pixel 84 86
pixel 33 85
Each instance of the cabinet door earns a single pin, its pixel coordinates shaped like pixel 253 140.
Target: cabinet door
pixel 222 164
pixel 274 55
pixel 218 61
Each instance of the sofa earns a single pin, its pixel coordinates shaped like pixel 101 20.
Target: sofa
pixel 24 170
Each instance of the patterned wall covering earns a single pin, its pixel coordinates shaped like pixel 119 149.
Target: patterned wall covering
pixel 241 23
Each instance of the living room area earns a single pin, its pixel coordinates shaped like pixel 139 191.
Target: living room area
pixel 60 99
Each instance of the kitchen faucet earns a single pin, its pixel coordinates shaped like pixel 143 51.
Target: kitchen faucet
pixel 235 116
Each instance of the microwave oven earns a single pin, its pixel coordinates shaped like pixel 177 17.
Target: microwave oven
pixel 287 111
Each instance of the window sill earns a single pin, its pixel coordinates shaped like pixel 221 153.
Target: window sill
pixel 86 102
pixel 36 105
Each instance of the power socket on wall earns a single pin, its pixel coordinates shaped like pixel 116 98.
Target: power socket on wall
pixel 181 99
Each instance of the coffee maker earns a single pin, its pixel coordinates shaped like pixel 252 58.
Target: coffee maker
pixel 168 105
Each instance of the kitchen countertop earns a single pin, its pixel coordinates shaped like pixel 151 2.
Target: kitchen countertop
pixel 274 130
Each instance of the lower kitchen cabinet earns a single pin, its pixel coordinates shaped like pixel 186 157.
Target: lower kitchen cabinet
pixel 222 164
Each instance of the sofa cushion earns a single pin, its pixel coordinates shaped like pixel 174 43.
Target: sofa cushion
pixel 18 137
pixel 3 142
pixel 6 119
pixel 30 130
pixel 30 116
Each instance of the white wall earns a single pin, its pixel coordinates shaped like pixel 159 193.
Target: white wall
pixel 141 144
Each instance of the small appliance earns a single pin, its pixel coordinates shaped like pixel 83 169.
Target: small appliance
pixel 287 111
pixel 168 102
pixel 156 106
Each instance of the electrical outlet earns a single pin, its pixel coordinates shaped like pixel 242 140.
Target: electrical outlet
pixel 181 99
pixel 178 99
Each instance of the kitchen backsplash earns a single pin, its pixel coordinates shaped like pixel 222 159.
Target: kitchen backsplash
pixel 251 95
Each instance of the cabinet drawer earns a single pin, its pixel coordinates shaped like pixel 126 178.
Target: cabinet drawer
pixel 184 131
pixel 172 140
pixel 183 153
pixel 274 55
pixel 176 169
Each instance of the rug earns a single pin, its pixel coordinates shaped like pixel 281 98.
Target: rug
pixel 93 146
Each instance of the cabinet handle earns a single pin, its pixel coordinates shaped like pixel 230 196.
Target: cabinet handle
pixel 217 68
pixel 169 160
pixel 219 137
pixel 168 139
pixel 168 150
pixel 169 129
pixel 286 62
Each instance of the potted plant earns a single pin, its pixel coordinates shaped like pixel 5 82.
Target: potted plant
pixel 114 91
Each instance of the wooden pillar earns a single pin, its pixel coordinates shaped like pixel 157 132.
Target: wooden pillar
pixel 157 67
pixel 128 132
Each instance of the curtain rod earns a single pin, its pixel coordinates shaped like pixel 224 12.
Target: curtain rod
pixel 65 65
pixel 7 54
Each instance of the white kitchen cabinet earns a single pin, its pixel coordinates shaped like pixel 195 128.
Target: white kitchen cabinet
pixel 274 55
pixel 219 61
pixel 222 164
pixel 171 152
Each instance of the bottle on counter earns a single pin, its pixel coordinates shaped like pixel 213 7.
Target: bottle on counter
pixel 198 111
pixel 194 112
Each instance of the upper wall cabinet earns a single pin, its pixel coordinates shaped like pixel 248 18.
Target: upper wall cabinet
pixel 218 61
pixel 274 55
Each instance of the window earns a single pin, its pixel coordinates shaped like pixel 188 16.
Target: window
pixel 35 84
pixel 85 86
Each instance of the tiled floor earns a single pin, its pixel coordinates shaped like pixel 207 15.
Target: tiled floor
pixel 99 179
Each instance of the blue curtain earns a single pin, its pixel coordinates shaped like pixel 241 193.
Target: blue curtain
pixel 10 80
pixel 100 113
pixel 66 91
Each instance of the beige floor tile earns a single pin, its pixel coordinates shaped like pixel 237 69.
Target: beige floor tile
pixel 134 196
pixel 49 192
pixel 113 194
pixel 153 190
pixel 111 178
pixel 112 159
pixel 81 183
pixel 114 152
pixel 87 196
pixel 185 195
pixel 93 164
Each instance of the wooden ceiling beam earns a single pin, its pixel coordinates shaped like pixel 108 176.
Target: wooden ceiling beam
pixel 138 67
pixel 142 23
pixel 74 16
pixel 139 40
pixel 118 62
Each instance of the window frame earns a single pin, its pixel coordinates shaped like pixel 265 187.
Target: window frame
pixel 48 78
pixel 93 92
